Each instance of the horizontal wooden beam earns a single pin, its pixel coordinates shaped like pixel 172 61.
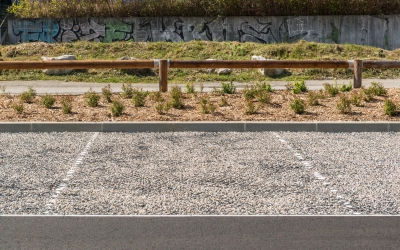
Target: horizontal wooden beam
pixel 67 64
pixel 381 64
pixel 258 64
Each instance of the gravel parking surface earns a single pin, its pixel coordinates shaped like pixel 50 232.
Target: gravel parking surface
pixel 32 165
pixel 201 173
pixel 364 168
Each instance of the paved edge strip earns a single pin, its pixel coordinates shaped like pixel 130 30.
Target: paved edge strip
pixel 200 232
pixel 14 127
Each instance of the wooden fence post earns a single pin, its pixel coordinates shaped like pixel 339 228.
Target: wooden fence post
pixel 358 65
pixel 163 84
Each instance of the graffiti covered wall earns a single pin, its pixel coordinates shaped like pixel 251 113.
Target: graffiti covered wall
pixel 383 32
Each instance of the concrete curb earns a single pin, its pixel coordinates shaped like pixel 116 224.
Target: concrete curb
pixel 199 232
pixel 14 127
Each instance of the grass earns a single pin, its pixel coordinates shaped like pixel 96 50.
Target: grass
pixel 194 50
pixel 18 107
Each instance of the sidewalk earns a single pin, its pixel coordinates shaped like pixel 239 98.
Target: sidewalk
pixel 62 87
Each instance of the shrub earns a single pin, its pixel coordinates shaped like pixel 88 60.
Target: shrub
pixel 189 88
pixel 389 107
pixel 162 107
pixel 377 89
pixel 249 92
pixel 139 97
pixel 250 108
pixel 265 86
pixel 312 98
pixel 332 90
pixel 367 95
pixel 344 105
pixel 176 97
pixel 155 96
pixel 66 105
pixel 298 106
pixel 223 102
pixel 299 87
pixel 92 98
pixel 228 88
pixel 28 96
pixel 356 99
pixel 263 96
pixel 18 107
pixel 346 88
pixel 127 91
pixel 48 101
pixel 206 106
pixel 107 93
pixel 116 108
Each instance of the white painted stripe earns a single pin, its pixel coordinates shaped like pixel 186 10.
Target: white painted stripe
pixel 316 174
pixel 70 173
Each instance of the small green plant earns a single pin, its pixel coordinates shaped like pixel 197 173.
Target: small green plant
pixel 263 96
pixel 189 88
pixel 228 88
pixel 346 88
pixel 206 106
pixel 48 100
pixel 332 90
pixel 176 97
pixel 217 92
pixel 155 96
pixel 107 93
pixel 18 107
pixel 249 92
pixel 201 87
pixel 299 87
pixel 298 106
pixel 127 91
pixel 367 94
pixel 389 107
pixel 250 108
pixel 355 99
pixel 377 89
pixel 28 96
pixel 162 107
pixel 265 86
pixel 92 98
pixel 223 102
pixel 344 105
pixel 66 105
pixel 139 97
pixel 313 98
pixel 117 108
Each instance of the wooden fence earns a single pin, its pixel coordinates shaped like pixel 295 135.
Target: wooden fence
pixel 163 65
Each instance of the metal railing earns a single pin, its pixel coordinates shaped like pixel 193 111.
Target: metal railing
pixel 163 65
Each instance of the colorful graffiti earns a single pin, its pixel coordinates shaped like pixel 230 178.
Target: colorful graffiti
pixel 366 30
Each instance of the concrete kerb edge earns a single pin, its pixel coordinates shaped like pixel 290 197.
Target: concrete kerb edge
pixel 335 127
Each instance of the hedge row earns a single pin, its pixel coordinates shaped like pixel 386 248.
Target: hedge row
pixel 202 8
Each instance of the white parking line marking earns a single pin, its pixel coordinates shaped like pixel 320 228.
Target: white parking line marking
pixel 316 174
pixel 49 206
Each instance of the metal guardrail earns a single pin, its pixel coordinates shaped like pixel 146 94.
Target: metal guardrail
pixel 163 65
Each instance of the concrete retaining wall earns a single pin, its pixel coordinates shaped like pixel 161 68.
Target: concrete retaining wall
pixel 383 32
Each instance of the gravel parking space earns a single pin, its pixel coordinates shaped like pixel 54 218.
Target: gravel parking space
pixel 364 168
pixel 193 173
pixel 32 165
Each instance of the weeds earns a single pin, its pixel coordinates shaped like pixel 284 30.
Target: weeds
pixel 107 93
pixel 332 90
pixel 265 86
pixel 48 101
pixel 117 108
pixel 249 92
pixel 92 98
pixel 176 97
pixel 66 105
pixel 162 107
pixel 18 107
pixel 344 105
pixel 127 91
pixel 28 96
pixel 298 106
pixel 250 108
pixel 377 89
pixel 313 98
pixel 155 96
pixel 228 88
pixel 223 102
pixel 389 107
pixel 206 106
pixel 356 98
pixel 346 88
pixel 189 88
pixel 367 95
pixel 139 97
pixel 263 96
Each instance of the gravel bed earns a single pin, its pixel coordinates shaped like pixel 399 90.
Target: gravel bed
pixel 194 173
pixel 364 168
pixel 31 167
